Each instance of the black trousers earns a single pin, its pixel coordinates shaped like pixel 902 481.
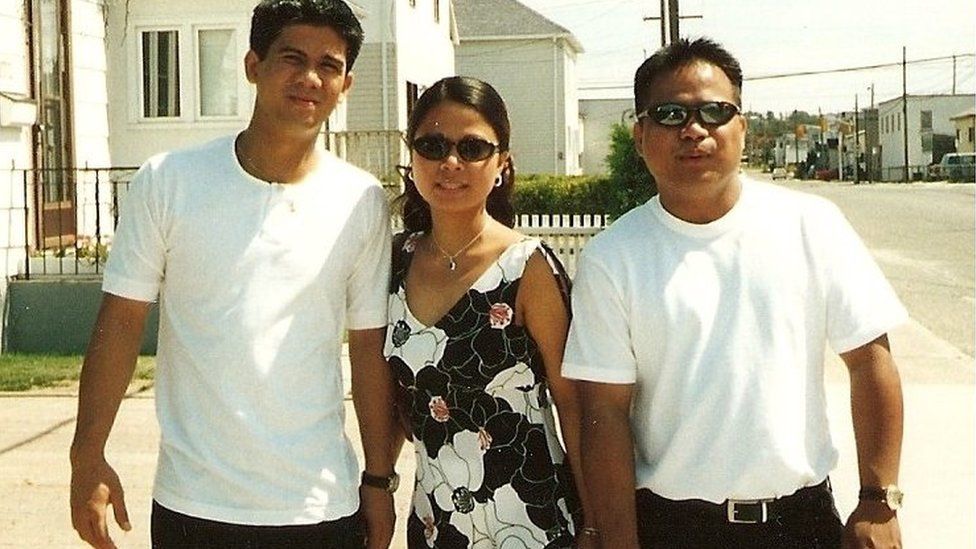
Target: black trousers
pixel 807 519
pixel 172 530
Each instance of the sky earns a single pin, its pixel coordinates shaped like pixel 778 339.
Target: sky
pixel 774 37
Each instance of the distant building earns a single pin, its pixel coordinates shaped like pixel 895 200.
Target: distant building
pixel 929 125
pixel 965 122
pixel 531 61
pixel 597 118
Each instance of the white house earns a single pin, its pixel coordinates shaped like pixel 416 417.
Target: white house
pixel 409 45
pixel 928 116
pixel 598 117
pixel 531 61
pixel 177 69
pixel 53 115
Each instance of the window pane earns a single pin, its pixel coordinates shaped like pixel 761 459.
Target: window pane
pixel 160 74
pixel 218 73
pixel 926 120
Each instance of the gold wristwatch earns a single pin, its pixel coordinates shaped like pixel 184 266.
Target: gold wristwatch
pixel 890 495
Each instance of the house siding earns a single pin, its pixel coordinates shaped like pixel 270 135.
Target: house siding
pixel 89 107
pixel 134 139
pixel 365 103
pixel 544 110
pixel 15 141
pixel 418 50
pixel 528 92
pixel 599 116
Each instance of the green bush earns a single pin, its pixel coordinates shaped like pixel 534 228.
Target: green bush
pixel 628 185
pixel 629 181
pixel 559 194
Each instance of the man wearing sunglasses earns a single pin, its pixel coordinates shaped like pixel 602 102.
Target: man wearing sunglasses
pixel 700 322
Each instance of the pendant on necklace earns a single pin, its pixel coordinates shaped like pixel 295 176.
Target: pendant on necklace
pixel 452 265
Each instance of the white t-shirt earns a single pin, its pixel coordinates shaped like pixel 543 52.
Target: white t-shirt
pixel 257 283
pixel 722 328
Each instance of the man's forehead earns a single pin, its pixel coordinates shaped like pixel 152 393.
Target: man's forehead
pixel 692 76
pixel 311 40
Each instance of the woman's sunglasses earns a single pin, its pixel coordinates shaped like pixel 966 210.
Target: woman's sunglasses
pixel 712 113
pixel 469 149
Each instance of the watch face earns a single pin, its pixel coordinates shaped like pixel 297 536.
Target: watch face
pixel 894 497
pixel 395 483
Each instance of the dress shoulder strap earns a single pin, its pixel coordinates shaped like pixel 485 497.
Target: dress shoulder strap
pixel 559 272
pixel 404 244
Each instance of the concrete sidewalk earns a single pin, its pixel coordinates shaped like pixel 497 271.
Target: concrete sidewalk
pixel 938 466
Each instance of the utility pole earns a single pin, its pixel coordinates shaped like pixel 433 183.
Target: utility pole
pixel 670 18
pixel 796 143
pixel 953 75
pixel 857 144
pixel 674 18
pixel 904 109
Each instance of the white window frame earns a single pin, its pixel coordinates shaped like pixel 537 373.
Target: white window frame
pixel 189 61
pixel 241 79
pixel 140 75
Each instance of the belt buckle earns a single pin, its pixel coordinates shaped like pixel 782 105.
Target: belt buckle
pixel 747 511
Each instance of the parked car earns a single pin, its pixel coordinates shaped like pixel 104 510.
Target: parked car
pixel 779 173
pixel 955 167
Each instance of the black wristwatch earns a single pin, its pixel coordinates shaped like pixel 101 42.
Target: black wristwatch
pixel 390 483
pixel 890 495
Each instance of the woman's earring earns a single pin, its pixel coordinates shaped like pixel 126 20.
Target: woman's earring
pixel 498 180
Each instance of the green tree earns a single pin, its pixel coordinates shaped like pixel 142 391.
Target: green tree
pixel 629 182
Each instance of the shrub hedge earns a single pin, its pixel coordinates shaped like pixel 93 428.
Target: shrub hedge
pixel 627 185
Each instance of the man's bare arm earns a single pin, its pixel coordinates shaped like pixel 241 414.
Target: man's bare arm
pixel 373 397
pixel 608 461
pixel 877 410
pixel 105 375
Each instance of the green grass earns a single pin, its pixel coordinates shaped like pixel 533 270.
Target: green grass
pixel 22 372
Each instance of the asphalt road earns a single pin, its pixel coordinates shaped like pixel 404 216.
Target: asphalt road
pixel 923 236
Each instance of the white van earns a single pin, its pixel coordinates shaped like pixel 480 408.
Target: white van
pixel 956 167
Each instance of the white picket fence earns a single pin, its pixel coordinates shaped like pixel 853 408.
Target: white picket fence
pixel 565 234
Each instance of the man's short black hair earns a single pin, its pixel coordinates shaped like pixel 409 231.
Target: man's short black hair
pixel 272 16
pixel 678 54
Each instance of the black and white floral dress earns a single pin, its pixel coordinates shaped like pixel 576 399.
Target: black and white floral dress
pixel 490 468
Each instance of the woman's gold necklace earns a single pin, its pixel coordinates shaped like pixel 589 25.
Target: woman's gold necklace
pixel 451 263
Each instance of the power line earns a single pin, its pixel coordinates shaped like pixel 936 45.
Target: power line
pixel 855 69
pixel 611 86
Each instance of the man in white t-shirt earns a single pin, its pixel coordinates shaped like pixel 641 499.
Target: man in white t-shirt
pixel 262 250
pixel 700 322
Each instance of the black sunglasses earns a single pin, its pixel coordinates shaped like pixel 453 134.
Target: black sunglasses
pixel 469 149
pixel 712 113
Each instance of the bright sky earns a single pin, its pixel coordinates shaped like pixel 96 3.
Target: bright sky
pixel 785 36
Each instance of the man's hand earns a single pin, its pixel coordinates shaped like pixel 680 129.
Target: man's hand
pixel 95 486
pixel 377 508
pixel 872 525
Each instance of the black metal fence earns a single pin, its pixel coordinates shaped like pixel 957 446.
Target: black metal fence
pixel 68 216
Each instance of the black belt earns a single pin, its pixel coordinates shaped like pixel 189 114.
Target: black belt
pixel 741 511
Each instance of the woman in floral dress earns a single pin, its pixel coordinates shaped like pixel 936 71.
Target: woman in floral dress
pixel 478 321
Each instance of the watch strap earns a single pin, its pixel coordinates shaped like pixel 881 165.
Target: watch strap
pixel 388 483
pixel 874 493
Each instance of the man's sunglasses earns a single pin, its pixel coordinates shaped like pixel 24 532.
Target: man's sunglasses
pixel 438 147
pixel 712 113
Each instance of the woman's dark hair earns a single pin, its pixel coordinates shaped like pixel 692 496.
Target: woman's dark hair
pixel 483 98
pixel 678 54
pixel 272 16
